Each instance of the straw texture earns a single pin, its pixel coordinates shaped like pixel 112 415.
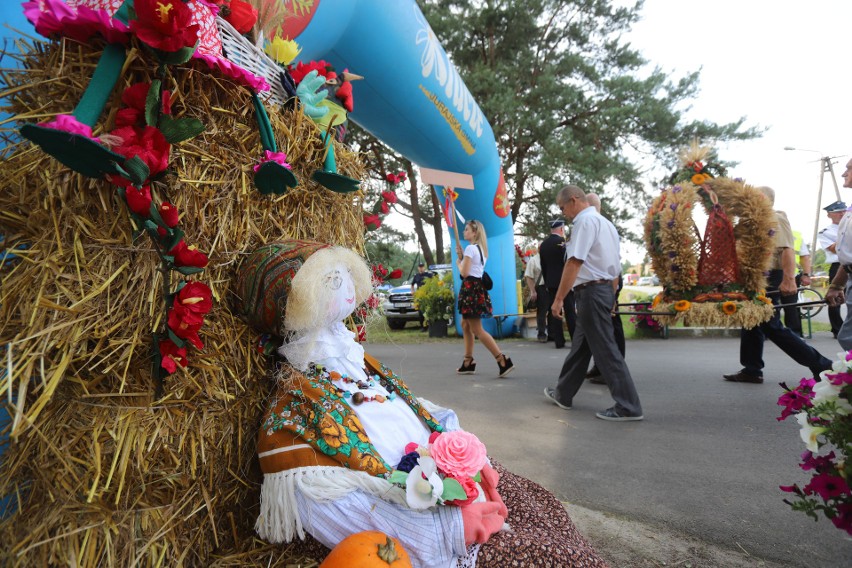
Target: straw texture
pixel 100 472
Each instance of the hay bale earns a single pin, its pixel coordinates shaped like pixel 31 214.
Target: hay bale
pixel 102 473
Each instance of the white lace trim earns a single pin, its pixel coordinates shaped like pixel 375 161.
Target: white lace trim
pixel 332 342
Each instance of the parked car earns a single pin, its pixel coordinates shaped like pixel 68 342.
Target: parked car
pixel 648 281
pixel 399 307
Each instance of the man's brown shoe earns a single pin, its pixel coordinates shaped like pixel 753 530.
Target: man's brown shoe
pixel 743 377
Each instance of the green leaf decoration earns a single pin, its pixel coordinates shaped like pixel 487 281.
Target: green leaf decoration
pixel 156 217
pixel 137 170
pixel 180 342
pixel 179 129
pixel 178 57
pixel 175 235
pixel 452 489
pixel 152 103
pixel 151 226
pixel 272 177
pixel 478 477
pixel 398 477
pixel 187 270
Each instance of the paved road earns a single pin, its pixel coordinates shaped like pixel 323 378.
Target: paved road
pixel 707 460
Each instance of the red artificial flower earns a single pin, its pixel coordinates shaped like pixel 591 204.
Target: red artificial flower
pixel 241 15
pixel 195 297
pixel 383 205
pixel 188 255
pixel 392 178
pixel 372 221
pixel 395 274
pixel 322 67
pixel 344 95
pixel 146 142
pixel 697 166
pixel 389 196
pixel 401 176
pixel 169 214
pixel 185 324
pixel 134 98
pixel 138 199
pixel 164 24
pixel 171 356
pixel 470 490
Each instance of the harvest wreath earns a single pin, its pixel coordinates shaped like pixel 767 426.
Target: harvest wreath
pixel 717 281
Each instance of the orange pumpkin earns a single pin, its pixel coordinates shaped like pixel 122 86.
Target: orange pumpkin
pixel 368 549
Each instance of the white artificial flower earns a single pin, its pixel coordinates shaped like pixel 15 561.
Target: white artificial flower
pixel 423 486
pixel 824 391
pixel 808 432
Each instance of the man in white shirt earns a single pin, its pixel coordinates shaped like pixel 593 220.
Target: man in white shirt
pixel 827 239
pixel 591 271
pixel 836 295
pixel 538 295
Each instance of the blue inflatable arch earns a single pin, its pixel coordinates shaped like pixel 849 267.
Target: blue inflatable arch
pixel 413 100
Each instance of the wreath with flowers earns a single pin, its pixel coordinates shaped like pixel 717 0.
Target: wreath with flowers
pixel 677 249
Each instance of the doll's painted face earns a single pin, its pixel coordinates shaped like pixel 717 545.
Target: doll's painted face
pixel 339 293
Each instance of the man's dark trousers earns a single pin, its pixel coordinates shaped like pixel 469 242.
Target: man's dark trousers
pixel 751 340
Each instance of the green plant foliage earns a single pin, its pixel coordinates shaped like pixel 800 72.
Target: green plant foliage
pixel 435 298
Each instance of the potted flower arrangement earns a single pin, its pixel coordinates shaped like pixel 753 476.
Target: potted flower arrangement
pixel 823 409
pixel 435 300
pixel 646 325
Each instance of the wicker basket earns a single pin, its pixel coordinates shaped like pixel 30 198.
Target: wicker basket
pixel 242 52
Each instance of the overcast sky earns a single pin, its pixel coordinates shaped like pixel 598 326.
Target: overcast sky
pixel 783 65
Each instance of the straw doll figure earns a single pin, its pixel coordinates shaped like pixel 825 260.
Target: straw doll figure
pixel 345 446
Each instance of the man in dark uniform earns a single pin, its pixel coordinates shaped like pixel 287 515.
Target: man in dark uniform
pixel 418 281
pixel 552 253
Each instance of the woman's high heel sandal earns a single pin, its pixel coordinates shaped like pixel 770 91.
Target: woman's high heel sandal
pixel 506 366
pixel 468 366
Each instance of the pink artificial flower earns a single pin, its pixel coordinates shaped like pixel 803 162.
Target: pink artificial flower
pixel 277 157
pixel 372 221
pixel 401 176
pixel 139 200
pixel 56 18
pixel 470 490
pixel 233 71
pixel 458 453
pixel 434 436
pixel 410 447
pixel 67 123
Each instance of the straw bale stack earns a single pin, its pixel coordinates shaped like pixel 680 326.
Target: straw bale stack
pixel 103 474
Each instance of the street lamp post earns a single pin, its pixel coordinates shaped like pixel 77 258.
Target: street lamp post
pixel 825 165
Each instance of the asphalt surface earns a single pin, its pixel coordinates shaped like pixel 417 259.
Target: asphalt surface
pixel 706 461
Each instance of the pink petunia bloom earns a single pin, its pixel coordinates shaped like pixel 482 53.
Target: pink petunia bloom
pixel 827 486
pixel 795 400
pixel 818 463
pixel 68 123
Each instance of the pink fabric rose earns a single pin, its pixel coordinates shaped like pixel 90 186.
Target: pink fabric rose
pixel 458 453
pixel 470 489
pixel 67 123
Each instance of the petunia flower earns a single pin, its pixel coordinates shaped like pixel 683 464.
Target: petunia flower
pixel 423 486
pixel 809 433
pixel 827 486
pixel 843 517
pixel 164 24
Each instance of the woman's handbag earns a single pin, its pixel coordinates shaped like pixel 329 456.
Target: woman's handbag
pixel 487 283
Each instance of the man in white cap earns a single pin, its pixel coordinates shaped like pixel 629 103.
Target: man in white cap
pixel 838 290
pixel 827 239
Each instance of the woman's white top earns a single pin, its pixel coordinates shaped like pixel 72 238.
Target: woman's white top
pixel 477 262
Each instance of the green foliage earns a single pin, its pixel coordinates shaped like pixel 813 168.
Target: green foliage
pixel 385 247
pixel 569 99
pixel 435 298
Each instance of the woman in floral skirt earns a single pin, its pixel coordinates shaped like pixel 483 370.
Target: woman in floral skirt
pixel 474 302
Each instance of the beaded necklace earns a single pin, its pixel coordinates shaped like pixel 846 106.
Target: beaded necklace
pixel 358 398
